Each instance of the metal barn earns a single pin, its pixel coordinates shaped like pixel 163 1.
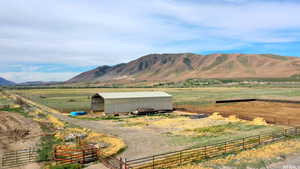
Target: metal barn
pixel 119 102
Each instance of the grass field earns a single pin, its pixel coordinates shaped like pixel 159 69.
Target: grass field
pixel 79 99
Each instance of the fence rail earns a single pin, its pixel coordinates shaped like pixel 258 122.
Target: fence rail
pixel 19 158
pixel 73 154
pixel 186 156
pixel 113 163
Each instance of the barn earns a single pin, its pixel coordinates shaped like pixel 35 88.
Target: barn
pixel 120 102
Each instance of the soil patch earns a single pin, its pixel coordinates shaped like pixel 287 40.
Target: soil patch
pixel 17 132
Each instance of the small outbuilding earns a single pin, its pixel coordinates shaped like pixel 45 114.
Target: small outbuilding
pixel 120 102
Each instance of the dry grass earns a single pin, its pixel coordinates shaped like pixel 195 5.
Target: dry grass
pixel 254 157
pixel 115 144
pixel 56 122
pixel 179 125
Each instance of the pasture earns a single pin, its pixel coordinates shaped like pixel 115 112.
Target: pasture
pixel 66 100
pixel 154 134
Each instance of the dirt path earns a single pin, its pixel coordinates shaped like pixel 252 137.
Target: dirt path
pixel 292 162
pixel 139 143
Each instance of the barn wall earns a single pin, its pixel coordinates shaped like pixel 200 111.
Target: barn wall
pixel 97 104
pixel 131 104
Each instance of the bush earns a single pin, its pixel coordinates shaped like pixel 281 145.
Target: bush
pixel 66 166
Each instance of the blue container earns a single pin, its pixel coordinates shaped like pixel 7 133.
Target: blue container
pixel 78 113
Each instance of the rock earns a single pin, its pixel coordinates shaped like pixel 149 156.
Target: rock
pixel 73 137
pixel 101 145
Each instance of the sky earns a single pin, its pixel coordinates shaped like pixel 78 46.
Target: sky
pixel 54 40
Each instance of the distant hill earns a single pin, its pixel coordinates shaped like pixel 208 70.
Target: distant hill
pixel 37 83
pixel 4 82
pixel 182 66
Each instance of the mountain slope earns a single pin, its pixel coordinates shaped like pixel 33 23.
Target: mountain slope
pixel 176 67
pixel 4 82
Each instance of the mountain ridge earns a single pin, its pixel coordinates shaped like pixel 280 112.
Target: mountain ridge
pixel 5 82
pixel 182 66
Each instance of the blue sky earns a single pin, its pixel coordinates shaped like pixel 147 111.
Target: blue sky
pixel 56 39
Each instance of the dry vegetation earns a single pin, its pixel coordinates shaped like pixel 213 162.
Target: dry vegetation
pixel 255 158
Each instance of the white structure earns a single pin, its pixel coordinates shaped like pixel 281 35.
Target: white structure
pixel 130 101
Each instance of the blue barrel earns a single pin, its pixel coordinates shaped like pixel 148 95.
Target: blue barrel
pixel 77 113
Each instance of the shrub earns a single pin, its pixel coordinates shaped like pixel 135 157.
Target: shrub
pixel 66 166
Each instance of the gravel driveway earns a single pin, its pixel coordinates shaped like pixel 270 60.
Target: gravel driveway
pixel 140 142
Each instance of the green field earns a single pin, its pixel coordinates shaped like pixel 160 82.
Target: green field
pixel 79 99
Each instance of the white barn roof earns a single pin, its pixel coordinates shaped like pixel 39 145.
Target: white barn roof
pixel 124 95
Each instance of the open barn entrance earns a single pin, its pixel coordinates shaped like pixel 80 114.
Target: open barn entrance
pixel 97 103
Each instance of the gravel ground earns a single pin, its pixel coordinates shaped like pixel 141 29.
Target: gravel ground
pixel 292 162
pixel 139 142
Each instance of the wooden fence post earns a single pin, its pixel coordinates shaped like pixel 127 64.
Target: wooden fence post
pixel 83 156
pixel 3 159
pixel 121 164
pixel 16 156
pixel 180 158
pixel 153 162
pixel 205 151
pixel 126 167
pixel 243 143
pixel 285 132
pixel 259 139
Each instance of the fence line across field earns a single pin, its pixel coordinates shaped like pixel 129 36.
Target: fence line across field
pixel 186 156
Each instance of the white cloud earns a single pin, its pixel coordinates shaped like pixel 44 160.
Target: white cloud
pixel 109 32
pixel 37 76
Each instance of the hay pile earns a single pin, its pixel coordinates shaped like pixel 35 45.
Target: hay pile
pixel 113 145
pixel 216 116
pixel 258 121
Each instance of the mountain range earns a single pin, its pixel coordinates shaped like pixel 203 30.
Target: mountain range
pixel 4 82
pixel 182 66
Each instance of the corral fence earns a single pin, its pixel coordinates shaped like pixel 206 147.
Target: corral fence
pixel 177 158
pixel 84 154
pixel 19 158
pixel 75 154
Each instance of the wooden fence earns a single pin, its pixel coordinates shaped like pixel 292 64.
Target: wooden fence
pixel 113 163
pixel 19 158
pixel 186 156
pixel 74 154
